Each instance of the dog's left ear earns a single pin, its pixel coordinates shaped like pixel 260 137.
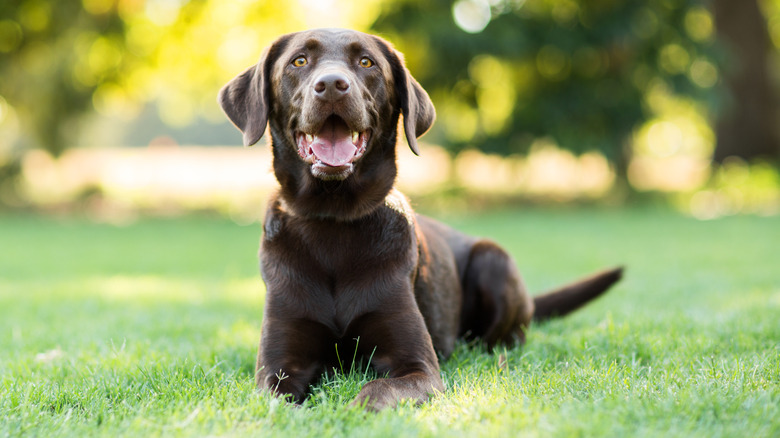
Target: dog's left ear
pixel 416 106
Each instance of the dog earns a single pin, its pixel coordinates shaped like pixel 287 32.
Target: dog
pixel 348 265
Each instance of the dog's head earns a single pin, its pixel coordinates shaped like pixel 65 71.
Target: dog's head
pixel 332 95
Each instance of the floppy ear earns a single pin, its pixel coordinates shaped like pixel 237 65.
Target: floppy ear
pixel 245 101
pixel 246 98
pixel 416 106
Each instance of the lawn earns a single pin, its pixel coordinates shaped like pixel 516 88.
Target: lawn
pixel 151 330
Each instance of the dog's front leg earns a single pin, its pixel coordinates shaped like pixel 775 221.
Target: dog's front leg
pixel 290 357
pixel 403 351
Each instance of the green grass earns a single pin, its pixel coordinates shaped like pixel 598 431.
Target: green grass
pixel 151 330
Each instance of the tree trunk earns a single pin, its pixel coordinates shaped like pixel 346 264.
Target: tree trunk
pixel 747 125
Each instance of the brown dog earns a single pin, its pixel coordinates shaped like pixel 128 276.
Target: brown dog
pixel 347 264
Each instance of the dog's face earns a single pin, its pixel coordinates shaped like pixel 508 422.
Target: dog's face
pixel 332 95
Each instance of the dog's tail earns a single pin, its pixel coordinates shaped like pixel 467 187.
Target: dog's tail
pixel 571 297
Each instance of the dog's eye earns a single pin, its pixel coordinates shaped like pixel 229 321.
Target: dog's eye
pixel 299 61
pixel 366 63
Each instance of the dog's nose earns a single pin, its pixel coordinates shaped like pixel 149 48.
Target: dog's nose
pixel 331 86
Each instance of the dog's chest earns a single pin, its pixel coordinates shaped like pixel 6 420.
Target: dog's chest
pixel 333 263
pixel 343 250
pixel 332 271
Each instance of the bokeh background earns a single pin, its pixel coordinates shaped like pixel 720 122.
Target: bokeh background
pixel 108 107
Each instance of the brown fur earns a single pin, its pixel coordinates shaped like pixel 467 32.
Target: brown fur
pixel 347 264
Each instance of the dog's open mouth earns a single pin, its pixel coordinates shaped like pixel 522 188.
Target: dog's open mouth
pixel 334 148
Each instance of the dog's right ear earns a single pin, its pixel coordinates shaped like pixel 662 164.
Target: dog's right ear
pixel 246 98
pixel 245 101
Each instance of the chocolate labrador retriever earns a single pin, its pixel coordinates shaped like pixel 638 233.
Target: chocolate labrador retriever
pixel 348 265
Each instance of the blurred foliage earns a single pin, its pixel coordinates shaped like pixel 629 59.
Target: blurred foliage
pixel 504 72
pixel 505 75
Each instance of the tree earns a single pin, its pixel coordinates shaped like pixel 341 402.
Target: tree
pixel 748 126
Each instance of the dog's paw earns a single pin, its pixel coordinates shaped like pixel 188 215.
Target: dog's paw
pixel 382 394
pixel 376 395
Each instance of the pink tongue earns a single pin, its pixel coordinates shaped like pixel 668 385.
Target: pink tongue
pixel 333 144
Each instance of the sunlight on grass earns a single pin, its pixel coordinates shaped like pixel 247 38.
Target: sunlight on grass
pixel 155 288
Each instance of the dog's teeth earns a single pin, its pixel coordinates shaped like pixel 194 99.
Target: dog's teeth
pixel 309 138
pixel 355 136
